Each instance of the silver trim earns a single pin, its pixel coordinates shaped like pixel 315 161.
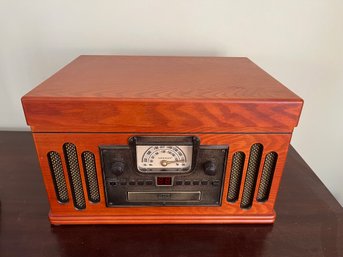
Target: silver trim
pixel 194 196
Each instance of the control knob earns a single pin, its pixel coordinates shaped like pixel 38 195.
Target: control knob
pixel 210 168
pixel 117 168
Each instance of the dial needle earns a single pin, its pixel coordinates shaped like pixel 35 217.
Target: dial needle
pixel 165 163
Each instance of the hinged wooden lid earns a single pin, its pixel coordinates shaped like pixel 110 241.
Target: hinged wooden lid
pixel 161 94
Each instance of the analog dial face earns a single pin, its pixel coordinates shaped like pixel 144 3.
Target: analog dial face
pixel 164 158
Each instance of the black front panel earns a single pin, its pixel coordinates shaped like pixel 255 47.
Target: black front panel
pixel 126 186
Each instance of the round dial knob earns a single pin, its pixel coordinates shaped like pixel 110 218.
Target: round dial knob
pixel 117 168
pixel 210 168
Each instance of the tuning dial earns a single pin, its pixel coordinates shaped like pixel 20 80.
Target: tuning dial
pixel 117 168
pixel 210 168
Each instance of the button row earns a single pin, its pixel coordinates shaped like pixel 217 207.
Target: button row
pixel 125 182
pixel 197 182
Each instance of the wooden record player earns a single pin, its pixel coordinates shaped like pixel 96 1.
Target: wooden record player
pixel 138 139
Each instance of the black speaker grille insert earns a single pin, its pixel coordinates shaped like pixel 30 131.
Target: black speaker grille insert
pixel 236 176
pixel 267 177
pixel 74 175
pixel 251 176
pixel 58 178
pixel 89 168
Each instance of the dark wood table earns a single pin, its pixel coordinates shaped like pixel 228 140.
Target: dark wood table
pixel 309 220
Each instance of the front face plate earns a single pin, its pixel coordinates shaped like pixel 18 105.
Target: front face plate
pixel 158 171
pixel 164 158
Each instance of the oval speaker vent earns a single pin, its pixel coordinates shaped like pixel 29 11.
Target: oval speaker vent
pixel 58 178
pixel 74 175
pixel 235 176
pixel 88 160
pixel 267 177
pixel 251 176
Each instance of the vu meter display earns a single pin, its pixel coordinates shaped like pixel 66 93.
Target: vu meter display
pixel 164 158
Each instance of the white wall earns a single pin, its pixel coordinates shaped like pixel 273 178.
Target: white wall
pixel 298 42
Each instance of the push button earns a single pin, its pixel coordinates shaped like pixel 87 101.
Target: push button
pixel 132 182
pixel 148 182
pixel 178 182
pixel 187 182
pixel 196 182
pixel 140 182
pixel 123 182
pixel 215 183
pixel 204 182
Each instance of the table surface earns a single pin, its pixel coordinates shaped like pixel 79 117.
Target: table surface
pixel 309 220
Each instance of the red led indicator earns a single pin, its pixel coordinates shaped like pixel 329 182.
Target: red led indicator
pixel 164 181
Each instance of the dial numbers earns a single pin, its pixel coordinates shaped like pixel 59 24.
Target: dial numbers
pixel 164 158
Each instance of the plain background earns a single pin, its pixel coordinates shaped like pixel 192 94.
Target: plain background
pixel 298 42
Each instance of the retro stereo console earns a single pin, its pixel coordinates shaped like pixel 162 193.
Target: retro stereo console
pixel 133 139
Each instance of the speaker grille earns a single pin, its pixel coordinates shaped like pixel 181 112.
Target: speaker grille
pixel 74 175
pixel 89 168
pixel 58 178
pixel 251 176
pixel 267 177
pixel 235 176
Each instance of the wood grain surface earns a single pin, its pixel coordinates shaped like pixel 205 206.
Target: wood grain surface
pixel 163 77
pixel 161 94
pixel 98 213
pixel 51 115
pixel 309 221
